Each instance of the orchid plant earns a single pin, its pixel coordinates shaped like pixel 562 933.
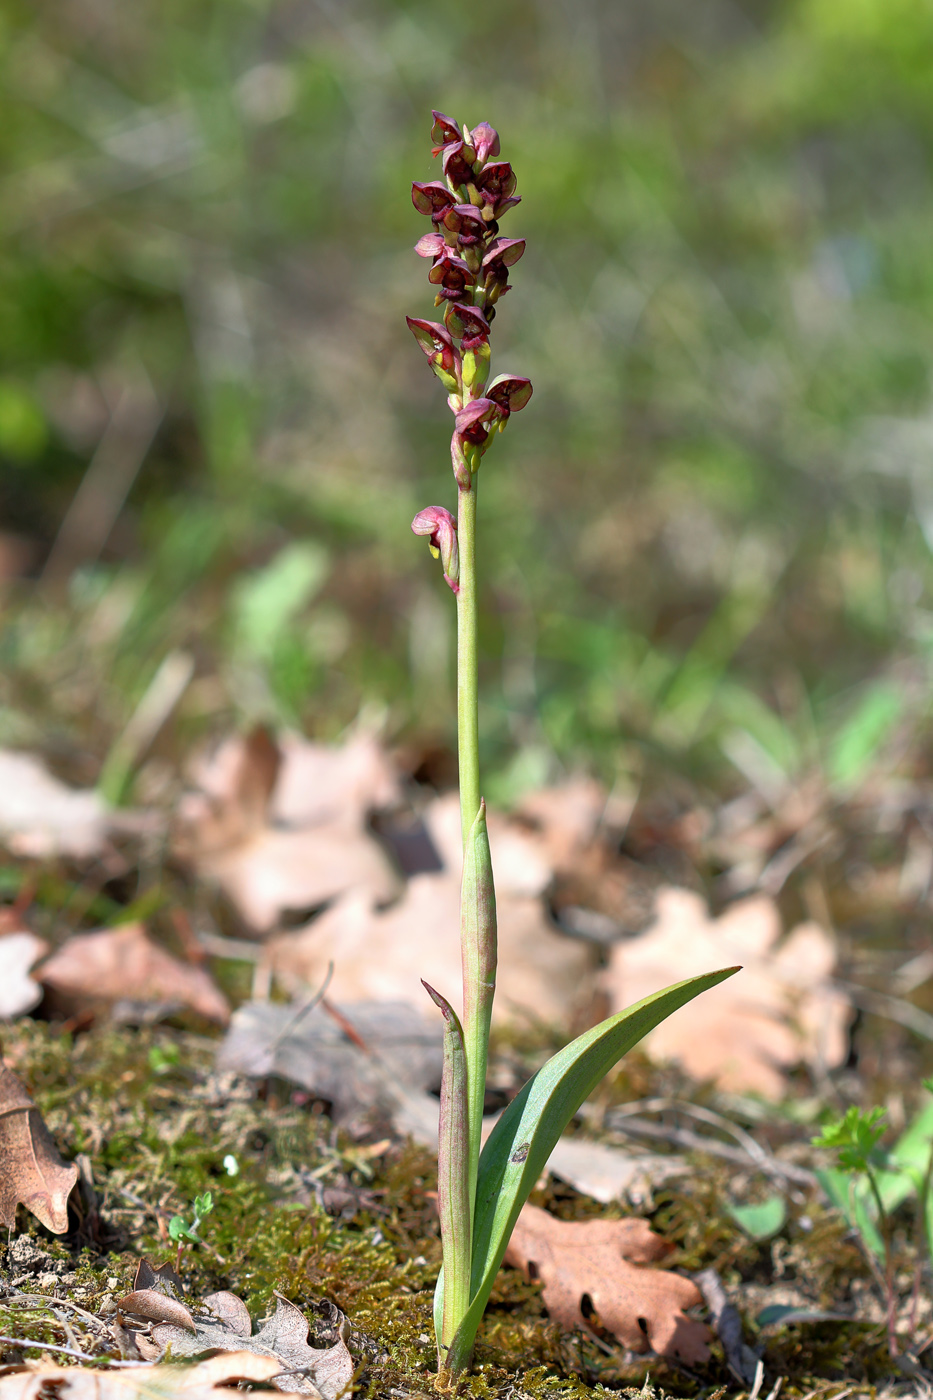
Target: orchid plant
pixel 481 1189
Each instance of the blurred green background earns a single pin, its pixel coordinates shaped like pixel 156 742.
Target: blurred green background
pixel 706 542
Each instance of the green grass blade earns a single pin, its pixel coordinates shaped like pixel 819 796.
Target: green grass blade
pixel 520 1144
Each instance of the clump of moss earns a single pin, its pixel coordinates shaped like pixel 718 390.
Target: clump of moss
pixel 158 1126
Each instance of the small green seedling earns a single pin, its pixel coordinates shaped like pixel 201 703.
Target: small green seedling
pixel 181 1231
pixel 869 1183
pixel 481 1189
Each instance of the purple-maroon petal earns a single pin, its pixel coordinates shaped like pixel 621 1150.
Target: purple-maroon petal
pixel 504 252
pixel 443 132
pixel 434 340
pixel 431 197
pixel 429 245
pixel 510 391
pixel 476 412
pixel 485 141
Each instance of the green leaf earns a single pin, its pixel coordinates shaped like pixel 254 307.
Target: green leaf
pixel 763 1220
pixel 265 603
pixel 907 1161
pixel 852 1197
pixel 856 744
pixel 855 1137
pixel 520 1144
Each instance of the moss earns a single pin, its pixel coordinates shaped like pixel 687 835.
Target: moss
pixel 158 1127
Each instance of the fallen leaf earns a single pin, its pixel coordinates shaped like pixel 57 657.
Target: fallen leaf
pixel 41 817
pixel 590 1273
pixel 520 865
pixel 38 1381
pixel 19 992
pixel 31 1171
pixel 272 849
pixel 382 954
pixel 96 970
pixel 153 1306
pixel 745 1034
pixel 565 818
pixel 232 1311
pixel 322 783
pixel 592 1168
pixel 283 1336
pixel 610 1173
pixel 403 1050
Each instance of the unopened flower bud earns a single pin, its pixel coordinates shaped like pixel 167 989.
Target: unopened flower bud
pixel 476 361
pixel 464 464
pixel 441 528
pixel 485 139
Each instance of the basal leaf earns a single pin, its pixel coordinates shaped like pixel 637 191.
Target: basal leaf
pixel 519 1145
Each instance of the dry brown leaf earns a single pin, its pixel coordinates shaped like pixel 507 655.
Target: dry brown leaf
pixel 19 951
pixel 31 1172
pixel 232 1311
pixel 199 1382
pixel 518 859
pixel 93 970
pixel 322 783
pixel 590 1273
pixel 326 1372
pixel 153 1306
pixel 273 848
pixel 565 818
pixel 40 817
pixel 382 955
pixel 747 1032
pixel 402 1051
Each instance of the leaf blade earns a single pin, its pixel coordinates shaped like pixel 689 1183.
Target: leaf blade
pixel 520 1144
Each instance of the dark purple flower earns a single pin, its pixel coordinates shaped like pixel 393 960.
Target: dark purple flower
pixel 466 221
pixel 443 132
pixel 451 273
pixel 468 324
pixel 475 419
pixel 485 139
pixel 503 253
pixel 432 197
pixel 497 182
pixel 510 392
pixel 440 351
pixel 441 528
pixel 458 163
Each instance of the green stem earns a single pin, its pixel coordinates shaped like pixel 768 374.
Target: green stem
pixel 467 668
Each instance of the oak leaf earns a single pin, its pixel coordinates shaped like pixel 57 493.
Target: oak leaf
pixel 593 1273
pixel 203 1381
pixel 31 1171
pixel 41 817
pixel 302 1369
pixel 283 829
pixel 745 1034
pixel 122 964
pixel 382 954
